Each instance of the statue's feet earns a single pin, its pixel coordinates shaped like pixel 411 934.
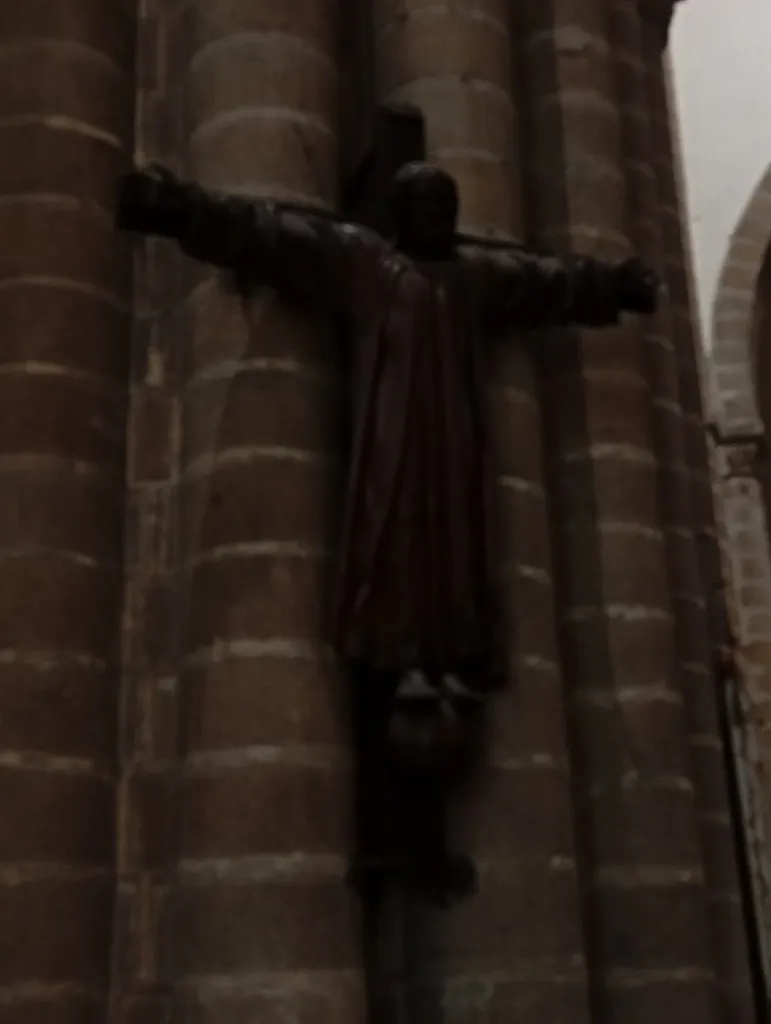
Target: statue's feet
pixel 459 698
pixel 414 688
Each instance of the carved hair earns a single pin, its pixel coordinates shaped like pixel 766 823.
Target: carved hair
pixel 422 175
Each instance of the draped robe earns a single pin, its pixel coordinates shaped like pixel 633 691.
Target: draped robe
pixel 415 581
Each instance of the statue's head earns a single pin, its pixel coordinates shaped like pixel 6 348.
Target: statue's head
pixel 424 208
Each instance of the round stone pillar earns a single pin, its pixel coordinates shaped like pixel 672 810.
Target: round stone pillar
pixel 514 949
pixel 260 924
pixel 66 124
pixel 641 858
pixel 717 828
pixel 640 32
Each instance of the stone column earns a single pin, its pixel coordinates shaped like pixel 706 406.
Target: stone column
pixel 66 98
pixel 514 950
pixel 630 33
pixel 150 670
pixel 636 808
pixel 260 924
pixel 742 523
pixel 729 926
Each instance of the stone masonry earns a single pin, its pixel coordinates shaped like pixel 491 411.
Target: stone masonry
pixel 175 770
pixel 67 92
pixel 741 397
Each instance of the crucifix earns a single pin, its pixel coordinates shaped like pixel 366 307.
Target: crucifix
pixel 415 621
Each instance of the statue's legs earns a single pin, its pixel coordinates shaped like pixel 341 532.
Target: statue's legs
pixel 371 696
pixel 411 735
pixel 403 731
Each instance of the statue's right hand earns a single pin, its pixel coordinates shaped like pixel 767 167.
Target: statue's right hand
pixel 151 201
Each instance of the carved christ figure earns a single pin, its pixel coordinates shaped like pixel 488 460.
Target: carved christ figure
pixel 414 602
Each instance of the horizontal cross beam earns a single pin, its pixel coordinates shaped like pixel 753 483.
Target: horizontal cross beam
pixel 461 238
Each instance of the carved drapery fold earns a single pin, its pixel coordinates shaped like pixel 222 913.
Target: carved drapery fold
pixel 454 62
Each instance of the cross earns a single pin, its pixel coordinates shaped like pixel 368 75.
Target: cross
pixel 398 137
pixel 420 694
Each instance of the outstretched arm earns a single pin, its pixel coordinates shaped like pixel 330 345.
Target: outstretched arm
pixel 306 258
pixel 528 291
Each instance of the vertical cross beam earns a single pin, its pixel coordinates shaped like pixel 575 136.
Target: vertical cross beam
pixel 398 136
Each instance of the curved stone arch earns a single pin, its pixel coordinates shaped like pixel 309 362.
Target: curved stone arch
pixel 731 358
pixel 744 510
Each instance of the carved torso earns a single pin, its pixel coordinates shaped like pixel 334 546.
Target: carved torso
pixel 419 510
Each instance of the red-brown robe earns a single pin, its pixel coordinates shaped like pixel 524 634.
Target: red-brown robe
pixel 415 582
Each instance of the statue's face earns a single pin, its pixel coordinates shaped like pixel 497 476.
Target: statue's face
pixel 425 211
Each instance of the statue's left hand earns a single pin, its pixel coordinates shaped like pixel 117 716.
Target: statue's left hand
pixel 152 201
pixel 639 287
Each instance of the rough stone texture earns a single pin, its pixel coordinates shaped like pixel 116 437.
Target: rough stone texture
pixel 455 63
pixel 148 722
pixel 66 119
pixel 738 379
pixel 744 535
pixel 735 389
pixel 739 363
pixel 733 321
pixel 259 901
pixel 233 812
pixel 236 806
pixel 703 713
pixel 663 590
pixel 636 46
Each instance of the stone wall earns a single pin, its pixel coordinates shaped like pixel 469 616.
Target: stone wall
pixel 736 376
pixel 67 93
pixel 237 798
pixel 737 367
pixel 742 516
pixel 600 824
